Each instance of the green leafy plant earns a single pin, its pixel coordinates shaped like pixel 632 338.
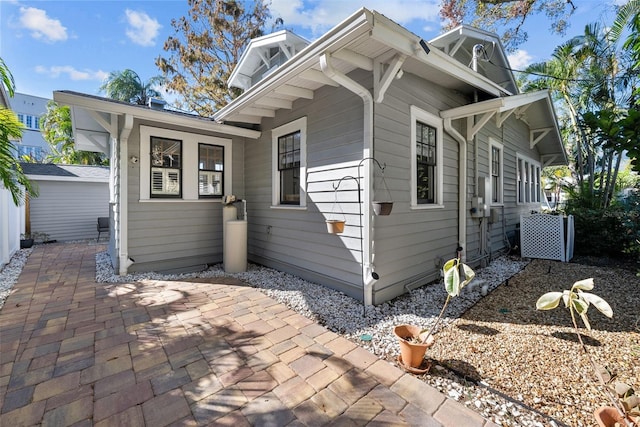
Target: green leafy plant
pixel 453 271
pixel 578 301
pixel 36 236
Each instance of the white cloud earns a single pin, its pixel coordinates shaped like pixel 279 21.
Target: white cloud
pixel 142 29
pixel 41 26
pixel 72 73
pixel 520 59
pixel 320 15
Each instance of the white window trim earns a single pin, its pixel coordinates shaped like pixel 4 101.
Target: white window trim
pixel 493 143
pixel 535 166
pixel 418 115
pixel 294 126
pixel 190 170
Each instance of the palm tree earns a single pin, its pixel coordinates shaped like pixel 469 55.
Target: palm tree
pixel 11 175
pixel 128 87
pixel 559 75
pixel 626 15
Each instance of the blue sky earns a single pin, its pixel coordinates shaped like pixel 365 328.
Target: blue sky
pixel 73 45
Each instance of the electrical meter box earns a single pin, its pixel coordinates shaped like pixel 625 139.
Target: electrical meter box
pixel 484 193
pixel 477 207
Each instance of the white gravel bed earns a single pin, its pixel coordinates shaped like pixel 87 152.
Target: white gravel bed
pixel 11 271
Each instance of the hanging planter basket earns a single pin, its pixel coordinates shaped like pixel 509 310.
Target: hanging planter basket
pixel 335 226
pixel 382 208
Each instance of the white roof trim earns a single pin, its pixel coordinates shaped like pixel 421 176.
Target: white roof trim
pixel 363 23
pixel 66 178
pixel 499 105
pixel 92 103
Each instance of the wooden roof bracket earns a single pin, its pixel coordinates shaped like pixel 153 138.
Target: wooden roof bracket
pixel 382 83
pixel 541 133
pixel 472 129
pixel 501 117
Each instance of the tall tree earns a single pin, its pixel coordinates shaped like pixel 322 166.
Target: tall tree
pixel 629 16
pixel 56 129
pixel 508 14
pixel 559 74
pixel 127 86
pixel 594 78
pixel 205 48
pixel 11 175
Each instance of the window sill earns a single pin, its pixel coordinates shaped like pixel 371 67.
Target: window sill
pixel 175 200
pixel 289 207
pixel 426 207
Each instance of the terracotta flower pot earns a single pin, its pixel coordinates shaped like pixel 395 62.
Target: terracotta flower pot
pixel 412 353
pixel 335 226
pixel 607 416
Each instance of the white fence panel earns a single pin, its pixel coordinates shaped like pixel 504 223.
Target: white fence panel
pixel 543 236
pixel 10 226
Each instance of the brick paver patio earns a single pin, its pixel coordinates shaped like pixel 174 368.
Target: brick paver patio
pixel 159 353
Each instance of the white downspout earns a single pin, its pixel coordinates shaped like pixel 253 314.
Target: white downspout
pixel 124 261
pixel 367 226
pixel 462 184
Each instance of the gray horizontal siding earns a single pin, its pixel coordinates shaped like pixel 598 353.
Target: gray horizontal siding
pixel 297 241
pixel 176 235
pixel 69 210
pixel 409 242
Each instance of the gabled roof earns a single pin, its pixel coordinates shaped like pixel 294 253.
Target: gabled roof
pixel 360 41
pixel 459 43
pixel 53 172
pixel 533 108
pixel 257 55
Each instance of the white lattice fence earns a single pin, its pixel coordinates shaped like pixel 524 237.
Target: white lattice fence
pixel 543 236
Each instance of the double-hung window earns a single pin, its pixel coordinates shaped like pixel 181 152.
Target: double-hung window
pixel 289 164
pixel 425 163
pixel 210 170
pixel 426 159
pixel 496 162
pixel 529 177
pixel 166 167
pixel 289 168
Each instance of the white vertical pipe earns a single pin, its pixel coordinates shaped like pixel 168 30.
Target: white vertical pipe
pixel 367 228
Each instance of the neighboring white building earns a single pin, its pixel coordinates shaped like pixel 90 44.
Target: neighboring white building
pixel 30 109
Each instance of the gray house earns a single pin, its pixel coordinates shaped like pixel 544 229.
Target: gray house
pixel 367 107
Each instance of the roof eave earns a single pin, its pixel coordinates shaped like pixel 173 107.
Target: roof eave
pixel 305 58
pixel 110 107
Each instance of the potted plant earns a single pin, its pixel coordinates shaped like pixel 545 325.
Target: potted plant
pixel 335 226
pixel 414 341
pixel 625 404
pixel 26 240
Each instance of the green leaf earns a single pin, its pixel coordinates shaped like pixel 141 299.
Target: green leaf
pixel 452 281
pixel 581 306
pixel 549 301
pixel 599 303
pixel 586 284
pixel 565 298
pixel 469 275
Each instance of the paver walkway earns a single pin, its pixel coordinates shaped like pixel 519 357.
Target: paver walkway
pixel 78 353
